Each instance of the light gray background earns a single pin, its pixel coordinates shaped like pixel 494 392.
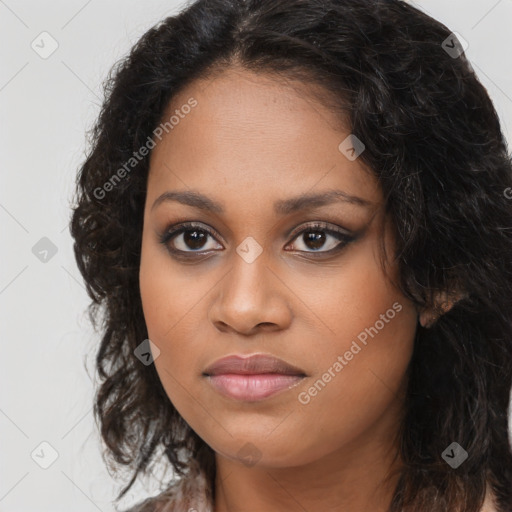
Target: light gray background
pixel 46 107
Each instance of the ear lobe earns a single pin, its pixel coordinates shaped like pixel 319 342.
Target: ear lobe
pixel 443 302
pixel 427 318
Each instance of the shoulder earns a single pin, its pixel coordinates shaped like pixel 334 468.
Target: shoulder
pixel 489 505
pixel 188 494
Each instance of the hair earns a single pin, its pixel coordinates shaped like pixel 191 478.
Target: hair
pixel 433 140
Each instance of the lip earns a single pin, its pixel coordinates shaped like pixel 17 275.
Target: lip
pixel 252 378
pixel 252 365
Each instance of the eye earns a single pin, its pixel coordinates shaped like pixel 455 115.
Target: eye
pixel 319 238
pixel 188 238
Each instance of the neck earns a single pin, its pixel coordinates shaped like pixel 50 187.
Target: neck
pixel 362 475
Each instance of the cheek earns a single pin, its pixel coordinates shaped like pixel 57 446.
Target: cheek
pixel 171 300
pixel 170 293
pixel 167 301
pixel 363 367
pixel 356 301
pixel 360 364
pixel 358 385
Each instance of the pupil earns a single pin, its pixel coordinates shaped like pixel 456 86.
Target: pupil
pixel 315 238
pixel 194 239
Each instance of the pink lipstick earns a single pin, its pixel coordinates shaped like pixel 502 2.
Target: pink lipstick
pixel 252 378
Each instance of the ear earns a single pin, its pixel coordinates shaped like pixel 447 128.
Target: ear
pixel 443 302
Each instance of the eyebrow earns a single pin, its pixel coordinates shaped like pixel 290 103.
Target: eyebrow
pixel 281 207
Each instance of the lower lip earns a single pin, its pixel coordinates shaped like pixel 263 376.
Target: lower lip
pixel 252 387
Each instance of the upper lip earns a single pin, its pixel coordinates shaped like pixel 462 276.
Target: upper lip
pixel 250 365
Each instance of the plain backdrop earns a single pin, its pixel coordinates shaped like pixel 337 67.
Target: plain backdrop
pixel 47 103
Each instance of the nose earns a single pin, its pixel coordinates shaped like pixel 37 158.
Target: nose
pixel 251 298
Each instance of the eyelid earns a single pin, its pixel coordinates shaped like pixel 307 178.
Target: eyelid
pixel 325 226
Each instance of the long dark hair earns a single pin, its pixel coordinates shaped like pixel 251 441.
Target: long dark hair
pixel 434 141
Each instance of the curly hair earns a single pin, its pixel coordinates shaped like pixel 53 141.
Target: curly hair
pixel 433 139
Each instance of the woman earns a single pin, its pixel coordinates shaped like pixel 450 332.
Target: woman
pixel 294 216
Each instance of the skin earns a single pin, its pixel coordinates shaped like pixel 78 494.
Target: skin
pixel 250 141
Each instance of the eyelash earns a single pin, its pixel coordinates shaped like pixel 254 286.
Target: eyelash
pixel 170 233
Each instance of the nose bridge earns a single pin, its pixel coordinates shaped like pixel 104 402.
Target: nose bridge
pixel 250 294
pixel 247 283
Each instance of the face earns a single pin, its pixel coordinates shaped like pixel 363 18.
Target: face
pixel 259 273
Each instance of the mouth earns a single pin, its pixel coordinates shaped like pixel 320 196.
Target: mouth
pixel 252 378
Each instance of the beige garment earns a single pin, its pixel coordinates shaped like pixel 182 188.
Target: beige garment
pixel 187 495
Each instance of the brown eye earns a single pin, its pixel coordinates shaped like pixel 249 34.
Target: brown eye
pixel 194 239
pixel 314 240
pixel 188 238
pixel 319 238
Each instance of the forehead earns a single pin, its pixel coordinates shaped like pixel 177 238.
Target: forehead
pixel 252 137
